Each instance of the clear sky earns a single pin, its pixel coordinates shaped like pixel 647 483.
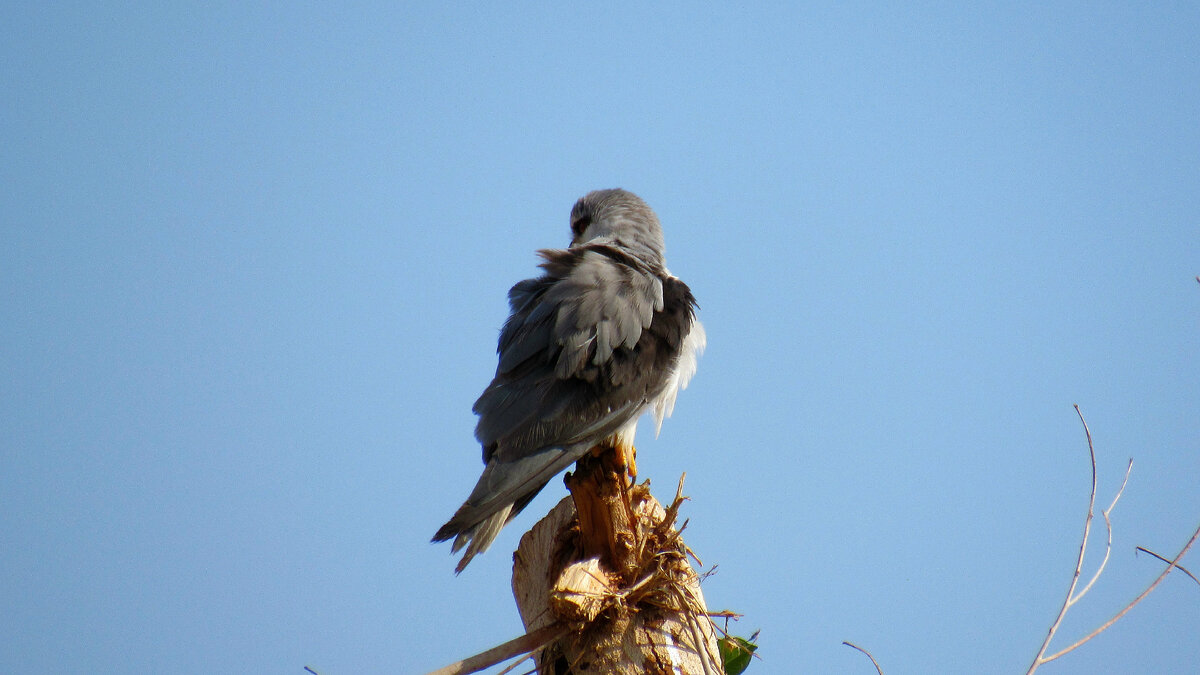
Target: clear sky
pixel 254 259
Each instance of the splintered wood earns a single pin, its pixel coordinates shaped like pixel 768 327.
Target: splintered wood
pixel 581 592
pixel 609 562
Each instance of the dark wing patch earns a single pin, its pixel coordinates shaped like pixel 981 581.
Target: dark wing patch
pixel 568 349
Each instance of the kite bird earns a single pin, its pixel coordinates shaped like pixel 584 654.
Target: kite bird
pixel 605 334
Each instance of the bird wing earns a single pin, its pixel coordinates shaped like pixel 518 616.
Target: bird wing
pixel 578 360
pixel 567 351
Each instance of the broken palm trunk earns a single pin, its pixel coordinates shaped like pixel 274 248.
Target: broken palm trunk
pixel 609 562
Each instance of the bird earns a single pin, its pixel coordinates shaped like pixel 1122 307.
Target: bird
pixel 605 334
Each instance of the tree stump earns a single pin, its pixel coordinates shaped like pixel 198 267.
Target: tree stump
pixel 609 562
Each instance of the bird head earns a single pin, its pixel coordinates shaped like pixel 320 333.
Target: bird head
pixel 621 218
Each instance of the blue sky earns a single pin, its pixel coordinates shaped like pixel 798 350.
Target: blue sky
pixel 254 262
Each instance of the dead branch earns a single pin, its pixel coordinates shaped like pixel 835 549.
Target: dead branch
pixel 1181 568
pixel 1073 597
pixel 873 661
pixel 528 642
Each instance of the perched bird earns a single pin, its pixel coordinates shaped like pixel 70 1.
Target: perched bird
pixel 605 334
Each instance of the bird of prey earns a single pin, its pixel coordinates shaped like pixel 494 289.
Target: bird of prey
pixel 605 334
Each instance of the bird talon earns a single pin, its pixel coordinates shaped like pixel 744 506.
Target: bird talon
pixel 627 456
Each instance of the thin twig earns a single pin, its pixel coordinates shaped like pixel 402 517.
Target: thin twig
pixel 873 661
pixel 1181 568
pixel 1087 530
pixel 522 645
pixel 726 613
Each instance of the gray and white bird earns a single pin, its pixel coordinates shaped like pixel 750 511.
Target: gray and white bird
pixel 605 334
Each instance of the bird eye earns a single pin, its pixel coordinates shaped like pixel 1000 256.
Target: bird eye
pixel 581 224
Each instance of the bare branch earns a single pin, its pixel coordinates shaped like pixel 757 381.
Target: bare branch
pixel 1073 597
pixel 1087 530
pixel 1108 528
pixel 1171 564
pixel 873 661
pixel 516 647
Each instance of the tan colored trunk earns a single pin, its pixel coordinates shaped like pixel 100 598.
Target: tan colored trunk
pixel 626 587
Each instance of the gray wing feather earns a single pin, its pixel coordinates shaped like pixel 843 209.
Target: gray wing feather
pixel 563 327
pixel 528 329
pixel 601 305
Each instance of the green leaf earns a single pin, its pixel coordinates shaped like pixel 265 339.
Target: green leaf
pixel 735 653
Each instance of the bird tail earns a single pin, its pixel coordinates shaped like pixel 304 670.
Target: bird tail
pixel 478 538
pixel 481 532
pixel 502 491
